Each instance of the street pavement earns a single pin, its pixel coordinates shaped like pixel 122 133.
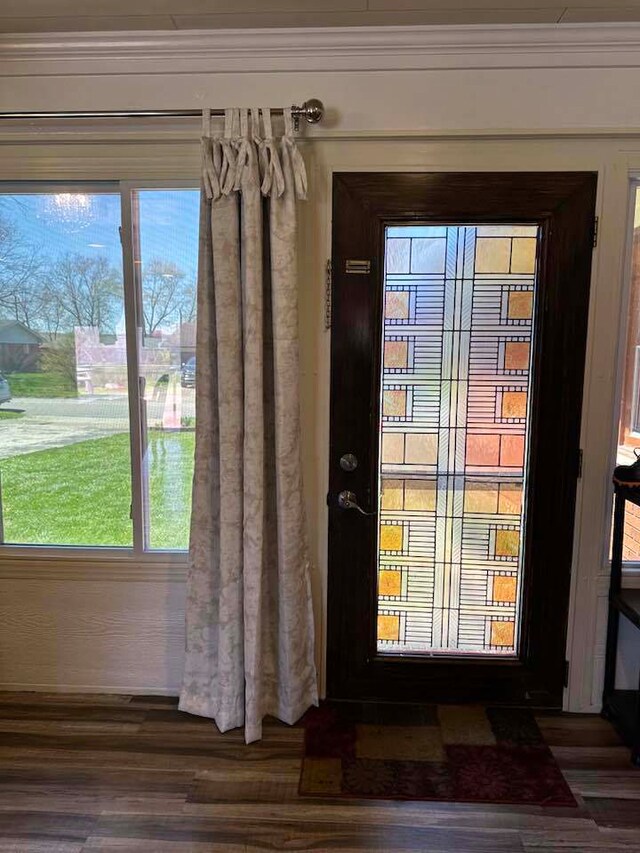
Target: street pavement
pixel 59 421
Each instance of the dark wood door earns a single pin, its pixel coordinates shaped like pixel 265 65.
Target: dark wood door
pixel 459 324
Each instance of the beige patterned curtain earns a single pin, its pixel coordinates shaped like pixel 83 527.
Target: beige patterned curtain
pixel 250 643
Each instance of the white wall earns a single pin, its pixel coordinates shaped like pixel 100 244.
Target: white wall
pixel 451 99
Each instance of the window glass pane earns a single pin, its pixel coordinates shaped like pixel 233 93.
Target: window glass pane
pixel 458 335
pixel 629 431
pixel 167 257
pixel 64 417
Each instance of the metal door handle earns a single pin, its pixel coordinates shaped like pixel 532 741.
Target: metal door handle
pixel 349 500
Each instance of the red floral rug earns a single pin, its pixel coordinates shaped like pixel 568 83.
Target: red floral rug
pixel 459 753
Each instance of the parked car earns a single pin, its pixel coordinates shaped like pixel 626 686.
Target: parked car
pixel 5 390
pixel 188 373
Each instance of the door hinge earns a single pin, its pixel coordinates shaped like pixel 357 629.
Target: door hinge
pixel 580 455
pixel 566 674
pixel 596 224
pixel 328 279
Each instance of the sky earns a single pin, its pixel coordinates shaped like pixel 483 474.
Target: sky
pixel 87 224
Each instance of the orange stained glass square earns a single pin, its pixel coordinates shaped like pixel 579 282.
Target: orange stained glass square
pixel 421 449
pixel 389 583
pixel 493 254
pixel 391 536
pixel 481 497
pixel 523 255
pixel 394 403
pixel 504 589
pixel 514 404
pixel 483 449
pixel 502 633
pixel 507 543
pixel 420 495
pixel 392 494
pixel 516 355
pixel 510 499
pixel 393 448
pixel 520 305
pixel 395 354
pixel 512 451
pixel 397 305
pixel 388 627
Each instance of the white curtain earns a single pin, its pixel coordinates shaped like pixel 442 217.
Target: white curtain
pixel 250 642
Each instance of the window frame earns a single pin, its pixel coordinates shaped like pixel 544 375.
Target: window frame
pixel 139 551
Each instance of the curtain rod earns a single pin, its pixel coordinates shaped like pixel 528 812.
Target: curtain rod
pixel 312 111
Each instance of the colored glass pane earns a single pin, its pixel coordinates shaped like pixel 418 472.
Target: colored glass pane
pixel 504 588
pixel 395 354
pixel 493 254
pixel 507 543
pixel 388 627
pixel 523 255
pixel 453 436
pixel 420 495
pixel 391 537
pixel 389 583
pixel 392 492
pixel 394 404
pixel 520 305
pixel 516 355
pixel 514 404
pixel 502 633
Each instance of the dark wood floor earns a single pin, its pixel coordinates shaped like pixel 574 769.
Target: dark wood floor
pixel 122 773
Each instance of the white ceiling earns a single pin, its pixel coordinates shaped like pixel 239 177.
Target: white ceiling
pixel 41 16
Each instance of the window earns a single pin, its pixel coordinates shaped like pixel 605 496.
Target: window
pixel 629 427
pixel 97 364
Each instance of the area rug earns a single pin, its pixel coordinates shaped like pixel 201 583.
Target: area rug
pixel 456 753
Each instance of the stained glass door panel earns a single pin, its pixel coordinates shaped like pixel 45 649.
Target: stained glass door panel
pixel 456 372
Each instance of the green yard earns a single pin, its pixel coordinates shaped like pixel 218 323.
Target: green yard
pixel 41 385
pixel 80 494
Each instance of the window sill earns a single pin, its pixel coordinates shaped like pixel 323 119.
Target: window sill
pixel 86 564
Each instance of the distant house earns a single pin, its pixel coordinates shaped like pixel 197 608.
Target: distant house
pixel 19 347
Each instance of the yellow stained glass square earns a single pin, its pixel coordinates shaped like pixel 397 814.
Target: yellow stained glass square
pixel 397 305
pixel 520 305
pixel 392 494
pixel 510 499
pixel 395 354
pixel 492 254
pixel 389 583
pixel 507 543
pixel 391 536
pixel 420 495
pixel 523 255
pixel 481 497
pixel 393 448
pixel 421 449
pixel 514 404
pixel 504 589
pixel 502 633
pixel 394 403
pixel 388 627
pixel 516 355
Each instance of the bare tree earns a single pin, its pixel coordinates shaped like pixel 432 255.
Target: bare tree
pixel 84 291
pixel 21 266
pixel 162 294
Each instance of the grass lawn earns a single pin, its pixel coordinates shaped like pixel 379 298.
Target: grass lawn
pixel 40 385
pixel 6 415
pixel 80 494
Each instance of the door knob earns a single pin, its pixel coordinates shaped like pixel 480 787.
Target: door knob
pixel 349 500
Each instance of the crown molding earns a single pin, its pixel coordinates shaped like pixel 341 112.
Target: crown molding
pixel 323 49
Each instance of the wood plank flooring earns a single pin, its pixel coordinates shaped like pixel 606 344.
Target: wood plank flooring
pixel 122 773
